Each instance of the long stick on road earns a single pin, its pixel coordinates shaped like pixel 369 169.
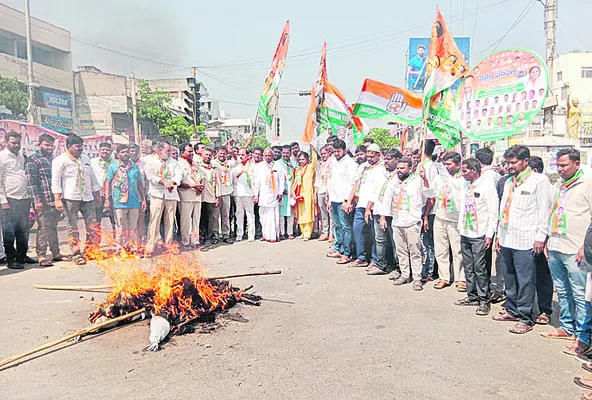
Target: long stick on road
pixel 81 332
pixel 102 287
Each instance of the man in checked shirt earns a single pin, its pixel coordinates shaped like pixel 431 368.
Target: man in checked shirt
pixel 38 171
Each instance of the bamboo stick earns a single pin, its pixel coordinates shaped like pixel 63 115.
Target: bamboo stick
pixel 102 287
pixel 74 288
pixel 81 332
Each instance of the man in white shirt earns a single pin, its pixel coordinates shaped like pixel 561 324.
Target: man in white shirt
pixel 190 190
pixel 243 175
pixel 320 186
pixel 523 228
pixel 404 197
pixel 16 203
pixel 210 196
pixel 571 212
pixel 268 190
pixel 341 181
pixel 386 255
pixel 362 192
pixel 76 190
pixel 99 166
pixel 477 224
pixel 222 212
pixel 286 212
pixel 164 175
pixel 257 159
pixel 485 158
pixel 448 184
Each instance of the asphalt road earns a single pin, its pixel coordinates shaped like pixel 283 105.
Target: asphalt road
pixel 324 332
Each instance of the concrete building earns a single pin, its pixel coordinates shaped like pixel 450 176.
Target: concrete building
pixel 101 99
pixel 221 130
pixel 573 76
pixel 210 110
pixel 52 66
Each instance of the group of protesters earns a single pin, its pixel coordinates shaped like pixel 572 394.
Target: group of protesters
pixel 417 216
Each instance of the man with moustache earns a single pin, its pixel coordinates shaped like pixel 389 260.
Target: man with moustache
pixel 386 255
pixel 124 192
pixel 404 196
pixel 523 228
pixel 243 177
pixel 76 190
pixel 268 190
pixel 190 190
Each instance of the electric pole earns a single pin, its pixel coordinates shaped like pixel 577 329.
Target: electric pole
pixel 137 134
pixel 31 110
pixel 551 44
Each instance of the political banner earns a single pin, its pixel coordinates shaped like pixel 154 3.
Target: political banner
pixel 30 136
pixel 416 67
pixel 445 64
pixel 272 82
pixel 502 94
pixel 384 102
pixel 336 114
pixel 441 121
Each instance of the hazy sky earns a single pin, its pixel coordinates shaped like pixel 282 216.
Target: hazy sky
pixel 232 41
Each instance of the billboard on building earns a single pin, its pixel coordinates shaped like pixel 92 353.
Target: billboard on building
pixel 418 52
pixel 57 100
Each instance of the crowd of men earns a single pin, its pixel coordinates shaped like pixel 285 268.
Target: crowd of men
pixel 419 216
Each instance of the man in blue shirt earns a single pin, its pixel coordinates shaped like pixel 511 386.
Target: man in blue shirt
pixel 124 191
pixel 416 70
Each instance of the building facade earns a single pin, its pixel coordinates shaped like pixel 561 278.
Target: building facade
pixel 52 66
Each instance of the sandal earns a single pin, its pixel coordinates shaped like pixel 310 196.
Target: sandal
pixel 59 258
pixel 79 261
pixel 504 317
pixel 543 319
pixel 45 262
pixel 441 284
pixel 520 328
pixel 586 396
pixel 584 381
pixel 461 287
pixel 417 286
pixel 587 366
pixel 344 260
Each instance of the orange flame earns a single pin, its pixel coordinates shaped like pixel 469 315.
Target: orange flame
pixel 173 285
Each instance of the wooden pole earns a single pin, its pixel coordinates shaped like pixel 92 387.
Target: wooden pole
pixel 81 332
pixel 102 287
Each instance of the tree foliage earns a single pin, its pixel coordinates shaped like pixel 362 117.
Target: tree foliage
pixel 13 96
pixel 382 138
pixel 155 106
pixel 259 140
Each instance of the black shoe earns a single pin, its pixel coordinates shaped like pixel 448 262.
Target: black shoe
pixel 228 240
pixel 27 260
pixel 467 302
pixel 483 309
pixel 3 261
pixel 15 265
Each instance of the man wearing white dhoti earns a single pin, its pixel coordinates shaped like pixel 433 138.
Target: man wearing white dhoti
pixel 268 190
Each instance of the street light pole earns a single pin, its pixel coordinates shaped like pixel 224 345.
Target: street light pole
pixel 31 111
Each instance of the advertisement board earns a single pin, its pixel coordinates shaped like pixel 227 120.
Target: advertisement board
pixel 58 124
pixel 502 95
pixel 418 54
pixel 57 100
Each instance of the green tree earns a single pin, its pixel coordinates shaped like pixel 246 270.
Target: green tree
pixel 178 128
pixel 155 106
pixel 382 138
pixel 258 141
pixel 13 96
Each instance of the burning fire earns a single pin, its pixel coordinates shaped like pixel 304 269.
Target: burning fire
pixel 173 286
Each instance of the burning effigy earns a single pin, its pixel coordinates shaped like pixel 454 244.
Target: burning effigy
pixel 173 289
